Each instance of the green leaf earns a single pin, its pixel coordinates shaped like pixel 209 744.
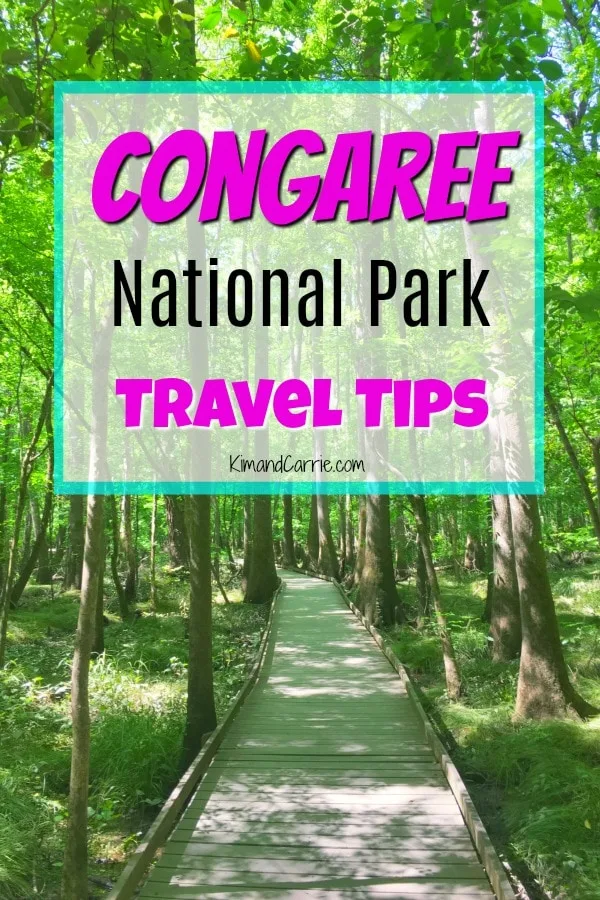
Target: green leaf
pixel 550 69
pixel 18 94
pixel 165 25
pixel 553 8
pixel 211 18
pixel 14 57
pixel 238 16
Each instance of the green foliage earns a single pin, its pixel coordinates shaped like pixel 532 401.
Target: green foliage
pixel 137 697
pixel 537 785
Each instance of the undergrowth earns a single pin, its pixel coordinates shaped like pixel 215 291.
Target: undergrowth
pixel 536 784
pixel 137 695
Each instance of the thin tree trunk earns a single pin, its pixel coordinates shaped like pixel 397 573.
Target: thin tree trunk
pixel 423 589
pixel 350 554
pixel 543 690
pixel 75 868
pixel 247 542
pixel 130 586
pixel 114 560
pixel 153 552
pixel 312 537
pixel 453 683
pixel 362 531
pixel 98 641
pixel 592 508
pixel 44 570
pixel 201 717
pixel 177 537
pixel 74 559
pixel 328 563
pixel 289 556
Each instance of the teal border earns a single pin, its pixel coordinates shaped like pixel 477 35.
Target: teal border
pixel 536 89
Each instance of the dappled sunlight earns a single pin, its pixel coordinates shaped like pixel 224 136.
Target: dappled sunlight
pixel 324 786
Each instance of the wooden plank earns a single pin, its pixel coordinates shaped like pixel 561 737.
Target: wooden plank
pixel 397 840
pixel 307 852
pixel 204 870
pixel 415 890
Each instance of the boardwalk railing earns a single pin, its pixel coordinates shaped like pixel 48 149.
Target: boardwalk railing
pixel 158 832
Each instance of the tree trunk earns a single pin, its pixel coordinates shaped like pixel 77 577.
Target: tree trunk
pixel 423 590
pixel 201 717
pixel 153 552
pixel 328 564
pixel 377 595
pixel 177 537
pixel 44 570
pixel 362 531
pixel 114 560
pixel 342 530
pixel 312 538
pixel 130 587
pixel 543 690
pixel 75 868
pixel 505 614
pixel 74 559
pixel 401 561
pixel 289 557
pixel 98 641
pixel 453 685
pixel 592 508
pixel 247 542
pixel 350 554
pixel 262 577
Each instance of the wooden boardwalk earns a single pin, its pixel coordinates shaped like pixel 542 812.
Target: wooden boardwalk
pixel 324 788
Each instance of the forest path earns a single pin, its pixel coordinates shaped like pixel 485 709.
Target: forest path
pixel 324 788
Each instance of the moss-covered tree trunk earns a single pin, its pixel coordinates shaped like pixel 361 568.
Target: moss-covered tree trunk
pixel 328 563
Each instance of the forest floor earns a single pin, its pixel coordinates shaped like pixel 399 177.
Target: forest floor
pixel 137 692
pixel 536 785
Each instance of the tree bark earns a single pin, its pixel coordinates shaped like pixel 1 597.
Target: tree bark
pixel 377 595
pixel 569 449
pixel 262 577
pixel 543 690
pixel 153 552
pixel 130 586
pixel 201 717
pixel 328 563
pixel 177 537
pixel 74 560
pixel 289 556
pixel 423 590
pixel 453 682
pixel 44 570
pixel 312 537
pixel 350 553
pixel 505 613
pixel 75 868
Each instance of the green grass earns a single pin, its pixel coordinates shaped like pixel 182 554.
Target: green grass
pixel 137 693
pixel 537 785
